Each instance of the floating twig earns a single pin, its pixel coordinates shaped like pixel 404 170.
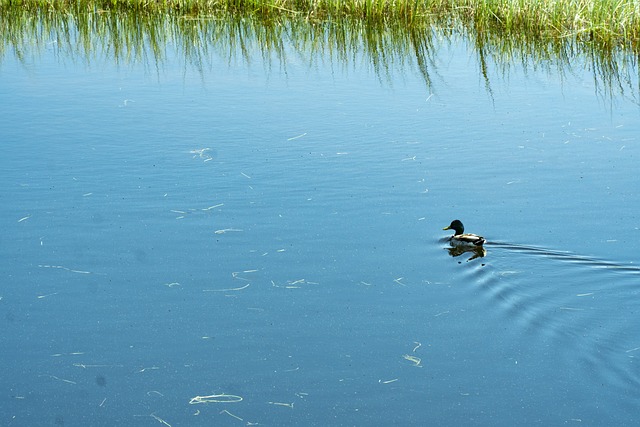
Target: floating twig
pixel 296 137
pixel 226 230
pixel 415 360
pixel 288 405
pixel 227 290
pixel 160 420
pixel 215 398
pixel 64 268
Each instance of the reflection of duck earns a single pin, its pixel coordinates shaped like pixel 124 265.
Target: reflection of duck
pixel 461 239
pixel 477 251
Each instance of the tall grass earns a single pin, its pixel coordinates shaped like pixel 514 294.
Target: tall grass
pixel 604 21
pixel 152 37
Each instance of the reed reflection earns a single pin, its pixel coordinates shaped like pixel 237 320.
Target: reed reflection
pixel 391 49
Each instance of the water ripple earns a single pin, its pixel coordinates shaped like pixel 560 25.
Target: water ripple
pixel 585 308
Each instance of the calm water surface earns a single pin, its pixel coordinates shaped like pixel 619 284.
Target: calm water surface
pixel 272 235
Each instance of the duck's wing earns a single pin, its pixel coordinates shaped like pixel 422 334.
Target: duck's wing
pixel 471 239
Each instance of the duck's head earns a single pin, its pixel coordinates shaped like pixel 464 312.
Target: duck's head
pixel 457 226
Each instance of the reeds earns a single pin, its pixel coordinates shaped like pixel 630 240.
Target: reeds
pixel 604 21
pixel 388 46
pixel 405 38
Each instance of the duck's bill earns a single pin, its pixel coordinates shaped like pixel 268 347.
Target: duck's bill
pixel 447 228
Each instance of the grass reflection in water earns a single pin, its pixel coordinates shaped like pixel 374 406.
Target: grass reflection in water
pixel 389 46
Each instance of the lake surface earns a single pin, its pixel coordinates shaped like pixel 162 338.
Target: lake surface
pixel 258 241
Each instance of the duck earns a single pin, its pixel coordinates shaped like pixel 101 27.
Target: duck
pixel 461 239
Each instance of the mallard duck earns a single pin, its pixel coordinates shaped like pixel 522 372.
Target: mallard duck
pixel 461 239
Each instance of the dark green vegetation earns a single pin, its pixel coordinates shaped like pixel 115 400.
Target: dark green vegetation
pixel 556 34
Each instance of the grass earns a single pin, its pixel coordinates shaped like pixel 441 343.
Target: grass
pixel 603 21
pixel 393 36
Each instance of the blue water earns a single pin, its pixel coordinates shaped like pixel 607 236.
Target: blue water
pixel 273 236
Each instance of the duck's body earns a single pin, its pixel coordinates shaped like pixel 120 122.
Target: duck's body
pixel 459 238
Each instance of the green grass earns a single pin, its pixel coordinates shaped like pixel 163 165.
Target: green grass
pixel 399 36
pixel 605 21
